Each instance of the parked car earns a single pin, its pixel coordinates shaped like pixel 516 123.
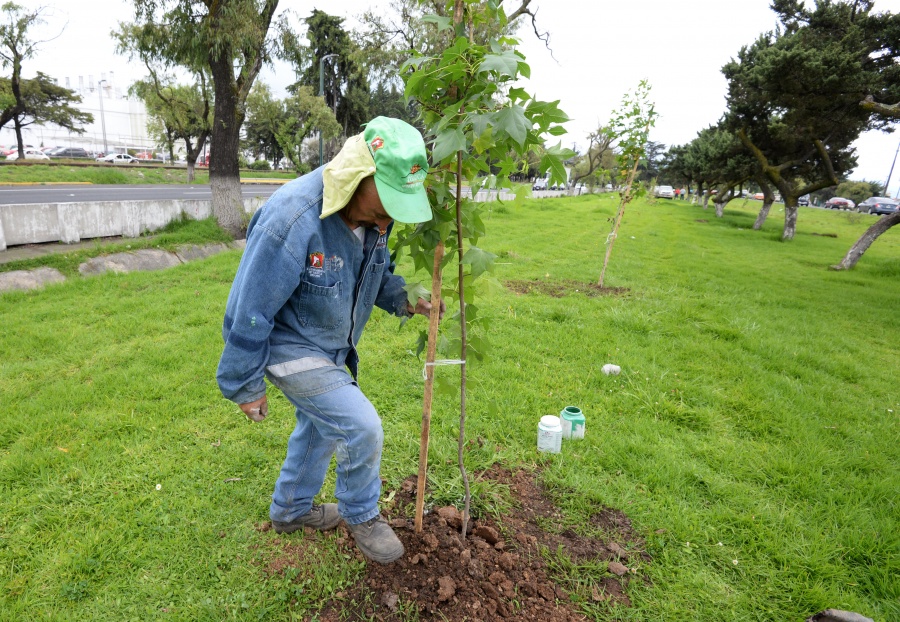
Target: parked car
pixel 119 158
pixel 879 205
pixel 759 196
pixel 30 154
pixel 665 192
pixel 14 149
pixel 839 203
pixel 69 152
pixel 803 201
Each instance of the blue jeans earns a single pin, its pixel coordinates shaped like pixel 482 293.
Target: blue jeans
pixel 333 417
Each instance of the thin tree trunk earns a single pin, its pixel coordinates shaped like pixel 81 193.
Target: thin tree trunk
pixel 626 197
pixel 865 241
pixel 433 319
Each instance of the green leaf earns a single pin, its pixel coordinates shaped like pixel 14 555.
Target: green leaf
pixel 519 94
pixel 414 291
pixel 555 165
pixel 442 23
pixel 506 64
pixel 480 260
pixel 513 122
pixel 447 143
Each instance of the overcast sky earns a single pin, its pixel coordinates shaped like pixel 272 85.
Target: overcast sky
pixel 601 50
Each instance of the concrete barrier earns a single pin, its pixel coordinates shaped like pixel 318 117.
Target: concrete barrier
pixel 35 223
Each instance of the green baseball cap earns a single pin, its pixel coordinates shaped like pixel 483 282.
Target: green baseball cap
pixel 400 168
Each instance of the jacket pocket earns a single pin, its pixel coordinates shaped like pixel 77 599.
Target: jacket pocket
pixel 372 283
pixel 319 305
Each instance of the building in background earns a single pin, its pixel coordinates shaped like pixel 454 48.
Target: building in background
pixel 120 121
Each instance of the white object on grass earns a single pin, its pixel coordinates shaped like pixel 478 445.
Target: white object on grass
pixel 609 368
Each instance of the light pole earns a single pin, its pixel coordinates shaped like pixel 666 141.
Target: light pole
pixel 888 182
pixel 322 94
pixel 102 117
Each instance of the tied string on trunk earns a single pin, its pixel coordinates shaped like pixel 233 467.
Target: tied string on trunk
pixel 440 362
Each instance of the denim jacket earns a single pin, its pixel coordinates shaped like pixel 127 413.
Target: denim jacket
pixel 305 288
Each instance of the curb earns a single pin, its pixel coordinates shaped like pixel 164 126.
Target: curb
pixel 144 260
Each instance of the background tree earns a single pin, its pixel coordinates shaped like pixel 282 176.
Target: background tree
pixel 42 102
pixel 345 81
pixel 304 112
pixel 179 112
pixel 264 115
pixel 651 164
pixel 595 164
pixel 794 95
pixel 230 38
pixel 858 191
pixel 15 47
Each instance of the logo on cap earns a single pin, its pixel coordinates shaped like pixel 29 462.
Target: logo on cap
pixel 377 143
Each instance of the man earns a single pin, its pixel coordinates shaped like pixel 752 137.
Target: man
pixel 316 262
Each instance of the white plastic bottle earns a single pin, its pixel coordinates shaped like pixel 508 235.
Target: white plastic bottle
pixel 549 434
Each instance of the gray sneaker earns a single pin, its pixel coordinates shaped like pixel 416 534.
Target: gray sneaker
pixel 377 540
pixel 321 517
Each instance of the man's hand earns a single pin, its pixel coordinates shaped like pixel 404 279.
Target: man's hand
pixel 423 307
pixel 257 410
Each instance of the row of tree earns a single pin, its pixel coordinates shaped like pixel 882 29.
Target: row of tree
pixel 797 99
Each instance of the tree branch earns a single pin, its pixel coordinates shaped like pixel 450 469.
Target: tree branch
pixel 886 110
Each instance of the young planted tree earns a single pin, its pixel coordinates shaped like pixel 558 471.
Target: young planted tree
pixel 630 128
pixel 475 120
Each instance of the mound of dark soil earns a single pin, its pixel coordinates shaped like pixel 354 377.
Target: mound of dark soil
pixel 498 572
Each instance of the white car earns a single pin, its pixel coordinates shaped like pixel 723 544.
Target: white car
pixel 30 154
pixel 665 192
pixel 119 158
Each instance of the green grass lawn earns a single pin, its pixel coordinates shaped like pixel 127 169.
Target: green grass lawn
pixel 752 437
pixel 78 172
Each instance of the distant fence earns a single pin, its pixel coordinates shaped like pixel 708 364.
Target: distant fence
pixel 35 223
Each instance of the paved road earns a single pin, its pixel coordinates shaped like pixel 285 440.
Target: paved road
pixel 13 195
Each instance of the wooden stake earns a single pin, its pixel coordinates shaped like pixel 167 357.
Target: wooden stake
pixel 433 319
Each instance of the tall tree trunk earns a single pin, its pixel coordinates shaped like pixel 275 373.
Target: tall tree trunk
pixel 723 197
pixel 768 199
pixel 18 128
pixel 224 175
pixel 790 218
pixel 865 241
pixel 763 213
